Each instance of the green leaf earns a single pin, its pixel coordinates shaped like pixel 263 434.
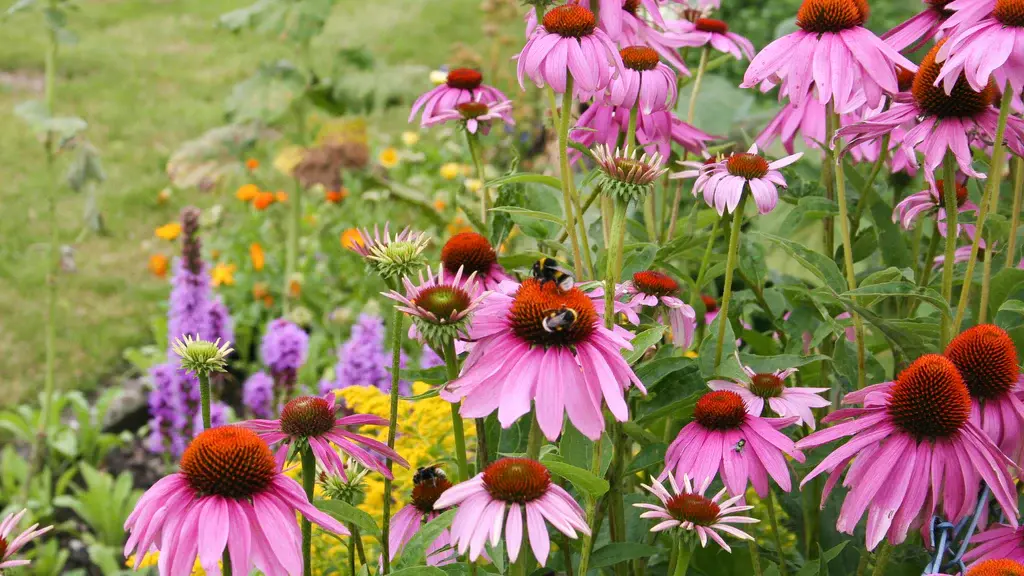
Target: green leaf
pixel 821 266
pixel 650 456
pixel 878 291
pixel 575 448
pixel 1014 306
pixel 807 210
pixel 419 571
pixel 638 257
pixel 729 369
pixel 1003 286
pixel 266 96
pixel 348 514
pixel 644 340
pixel 890 235
pixel 582 479
pixel 616 552
pixel 34 113
pixel 415 550
pixel 530 214
pixel 435 375
pixel 765 364
pixel 524 259
pixel 19 6
pixel 526 178
pixel 653 372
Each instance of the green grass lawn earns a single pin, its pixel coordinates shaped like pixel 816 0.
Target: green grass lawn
pixel 147 76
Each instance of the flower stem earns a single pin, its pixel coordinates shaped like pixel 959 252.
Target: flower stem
pixel 351 552
pixel 684 552
pixel 588 539
pixel 451 361
pixel 308 481
pixel 995 178
pixel 697 80
pixel 705 261
pixel 518 568
pixel 226 560
pixel 535 441
pixel 396 359
pixel 949 189
pixel 481 444
pixel 1018 191
pixel 986 282
pixel 630 142
pixel 566 172
pixel 755 558
pixel 775 532
pixel 851 276
pixel 204 399
pixel 828 179
pixel 474 150
pixel 730 268
pixel 882 558
pixel 614 256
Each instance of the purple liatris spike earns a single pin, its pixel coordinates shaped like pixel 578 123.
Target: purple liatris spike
pixel 430 359
pixel 221 326
pixel 284 346
pixel 189 311
pixel 258 395
pixel 363 360
pixel 164 410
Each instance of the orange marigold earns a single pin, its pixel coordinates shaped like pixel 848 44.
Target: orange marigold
pixel 158 264
pixel 257 256
pixel 247 192
pixel 252 164
pixel 263 200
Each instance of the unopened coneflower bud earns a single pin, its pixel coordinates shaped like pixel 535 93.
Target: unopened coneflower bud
pixel 393 257
pixel 201 357
pixel 628 177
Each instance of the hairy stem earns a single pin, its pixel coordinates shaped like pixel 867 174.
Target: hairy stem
pixel 828 179
pixel 882 558
pixel 851 276
pixel 730 268
pixel 396 359
pixel 535 441
pixel 691 112
pixel 613 257
pixel 308 482
pixel 204 399
pixel 591 509
pixel 566 172
pixel 1018 192
pixel 775 532
pixel 474 151
pixel 451 362
pixel 949 193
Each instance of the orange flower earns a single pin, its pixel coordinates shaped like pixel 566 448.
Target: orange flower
pixel 281 197
pixel 247 192
pixel 257 256
pixel 260 291
pixel 294 288
pixel 263 200
pixel 336 196
pixel 440 205
pixel 163 196
pixel 252 164
pixel 169 232
pixel 158 264
pixel 351 238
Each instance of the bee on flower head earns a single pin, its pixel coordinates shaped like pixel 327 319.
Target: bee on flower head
pixel 432 474
pixel 549 270
pixel 560 320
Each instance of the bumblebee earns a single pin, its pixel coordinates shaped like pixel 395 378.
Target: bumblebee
pixel 431 474
pixel 560 320
pixel 548 270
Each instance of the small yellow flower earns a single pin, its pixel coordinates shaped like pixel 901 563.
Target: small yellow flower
pixel 163 196
pixel 474 185
pixel 388 158
pixel 288 159
pixel 690 354
pixel 450 171
pixel 410 138
pixel 247 192
pixel 438 77
pixel 223 275
pixel 351 238
pixel 257 256
pixel 158 264
pixel 150 561
pixel 169 232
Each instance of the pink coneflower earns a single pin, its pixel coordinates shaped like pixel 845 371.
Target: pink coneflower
pixel 963 253
pixel 603 123
pixel 568 44
pixel 724 181
pixel 710 32
pixel 644 82
pixel 920 29
pixel 724 438
pixel 656 289
pixel 689 510
pixel 473 254
pixel 932 202
pixel 426 490
pixel 535 343
pixel 937 122
pixel 982 48
pixel 626 27
pixel 463 85
pixel 785 401
pixel 475 115
pixel 440 307
pixel 520 486
pixel 10 546
pixel 617 15
pixel 808 120
pixel 913 450
pixel 229 492
pixel 833 53
pixel 987 360
pixel 999 541
pixel 313 420
pixel 996 567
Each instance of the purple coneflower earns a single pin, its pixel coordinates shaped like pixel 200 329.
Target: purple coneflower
pixel 982 48
pixel 644 82
pixel 710 32
pixel 770 388
pixel 724 438
pixel 407 522
pixel 462 85
pixel 10 546
pixel 605 124
pixel 521 487
pixel 229 493
pixel 537 344
pixel 440 307
pixel 686 508
pixel 314 420
pixel 999 541
pixel 920 29
pixel 913 451
pixel 473 253
pixel 476 115
pixel 932 202
pixel 724 182
pixel 656 289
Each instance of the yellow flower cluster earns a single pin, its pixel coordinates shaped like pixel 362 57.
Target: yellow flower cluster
pixel 151 558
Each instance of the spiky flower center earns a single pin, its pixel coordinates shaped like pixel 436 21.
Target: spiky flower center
pixel 307 416
pixel 656 283
pixel 535 302
pixel 632 6
pixel 517 480
pixel 721 410
pixel 961 193
pixel 767 386
pixel 929 398
pixel 228 461
pixel 470 251
pixel 443 301
pixel 1009 12
pixel 3 548
pixel 470 110
pixel 639 58
pixel 693 508
pixel 904 79
pixel 820 16
pixel 987 360
pixel 747 165
pixel 425 493
pixel 570 21
pixel 464 79
pixel 710 304
pixel 962 102
pixel 711 25
pixel 997 567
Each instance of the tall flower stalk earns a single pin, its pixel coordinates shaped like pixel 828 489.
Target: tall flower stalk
pixel 1018 205
pixel 566 172
pixel 473 141
pixel 949 175
pixel 690 115
pixel 396 367
pixel 451 361
pixel 730 269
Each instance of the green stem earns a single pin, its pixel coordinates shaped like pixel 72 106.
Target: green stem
pixel 755 558
pixel 684 552
pixel 451 361
pixel 482 455
pixel 882 558
pixel 730 267
pixel 986 282
pixel 650 217
pixel 851 276
pixel 1018 192
pixel 594 195
pixel 566 173
pixel 674 218
pixel 862 565
pixel 360 552
pixel 535 441
pixel 308 482
pixel 582 225
pixel 929 257
pixel 351 552
pixel 697 81
pixel 518 568
pixel 995 178
pixel 634 114
pixel 591 509
pixel 705 261
pixel 613 256
pixel 226 560
pixel 204 399
pixel 396 367
pixel 828 180
pixel 775 531
pixel 474 150
pixel 949 192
